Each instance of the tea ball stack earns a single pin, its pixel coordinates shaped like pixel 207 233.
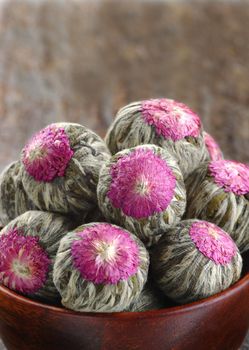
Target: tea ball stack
pixel 213 148
pixel 194 260
pixel 101 230
pixel 100 267
pixel 13 198
pixel 142 189
pixel 163 122
pixel 219 192
pixel 28 246
pixel 60 168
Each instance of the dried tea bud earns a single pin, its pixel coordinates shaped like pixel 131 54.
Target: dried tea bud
pixel 163 122
pixel 100 267
pixel 194 260
pixel 13 198
pixel 61 166
pixel 142 189
pixel 218 192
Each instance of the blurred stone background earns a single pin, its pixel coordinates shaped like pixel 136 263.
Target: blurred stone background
pixel 82 60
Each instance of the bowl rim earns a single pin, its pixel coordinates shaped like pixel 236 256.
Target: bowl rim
pixel 235 288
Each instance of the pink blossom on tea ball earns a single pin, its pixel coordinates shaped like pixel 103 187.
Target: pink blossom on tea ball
pixel 106 254
pixel 47 154
pixel 142 184
pixel 24 263
pixel 142 190
pixel 213 242
pixel 232 176
pixel 171 119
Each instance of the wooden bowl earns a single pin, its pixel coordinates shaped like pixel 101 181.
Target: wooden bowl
pixel 219 322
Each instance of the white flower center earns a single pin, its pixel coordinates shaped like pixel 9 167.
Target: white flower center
pixel 182 117
pixel 232 168
pixel 36 151
pixel 142 187
pixel 20 269
pixel 213 233
pixel 106 251
pixel 158 115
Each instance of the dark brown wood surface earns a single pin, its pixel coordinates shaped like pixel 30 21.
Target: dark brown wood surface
pixel 217 323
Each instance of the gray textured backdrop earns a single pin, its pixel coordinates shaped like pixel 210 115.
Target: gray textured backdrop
pixel 82 60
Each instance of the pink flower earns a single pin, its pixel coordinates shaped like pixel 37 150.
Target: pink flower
pixel 212 147
pixel 47 154
pixel 142 184
pixel 105 254
pixel 213 242
pixel 231 175
pixel 24 264
pixel 171 119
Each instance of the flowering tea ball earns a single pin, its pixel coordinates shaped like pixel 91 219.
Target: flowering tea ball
pixel 13 198
pixel 61 166
pixel 28 245
pixel 219 192
pixel 142 189
pixel 100 267
pixel 212 146
pixel 194 260
pixel 163 122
